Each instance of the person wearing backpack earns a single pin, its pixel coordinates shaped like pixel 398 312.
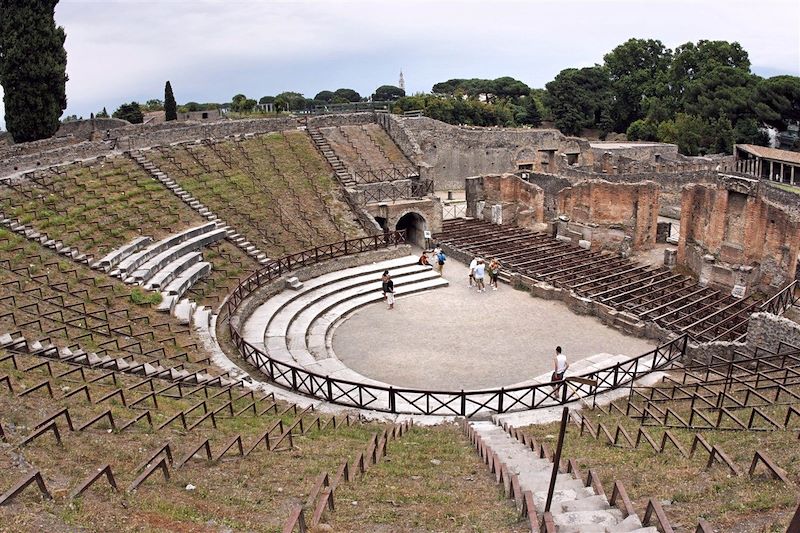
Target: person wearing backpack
pixel 440 259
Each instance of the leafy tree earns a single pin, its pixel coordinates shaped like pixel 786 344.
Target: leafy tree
pixel 324 96
pixel 348 95
pixel 508 87
pixel 722 133
pixel 580 98
pixel 447 87
pixel 33 65
pixel 242 104
pixel 528 112
pixel 153 104
pixel 692 62
pixel 170 106
pixel 102 114
pixel 291 101
pixel 637 69
pixel 266 100
pixel 388 93
pixel 642 130
pixel 777 101
pixel 747 131
pixel 131 112
pixel 722 91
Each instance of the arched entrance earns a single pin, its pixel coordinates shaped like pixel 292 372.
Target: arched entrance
pixel 415 226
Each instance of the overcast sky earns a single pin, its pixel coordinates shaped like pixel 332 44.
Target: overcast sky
pixel 124 50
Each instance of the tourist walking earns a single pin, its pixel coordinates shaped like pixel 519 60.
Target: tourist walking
pixel 494 273
pixel 387 285
pixel 560 365
pixel 472 266
pixel 440 259
pixel 479 274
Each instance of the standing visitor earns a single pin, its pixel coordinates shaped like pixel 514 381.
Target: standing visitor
pixel 472 266
pixel 387 285
pixel 560 365
pixel 440 259
pixel 480 270
pixel 494 273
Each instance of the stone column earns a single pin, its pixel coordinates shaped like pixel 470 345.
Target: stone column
pixel 771 175
pixel 782 174
pixel 792 175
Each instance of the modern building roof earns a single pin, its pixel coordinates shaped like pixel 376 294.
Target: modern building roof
pixel 784 156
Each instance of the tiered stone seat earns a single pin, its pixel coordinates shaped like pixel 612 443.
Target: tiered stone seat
pixel 293 325
pixel 164 277
pixel 158 253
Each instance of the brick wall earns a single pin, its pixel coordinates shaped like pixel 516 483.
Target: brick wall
pixel 610 209
pixel 729 227
pixel 522 202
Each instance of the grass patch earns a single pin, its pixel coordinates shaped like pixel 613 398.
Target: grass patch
pixel 140 297
pixel 787 188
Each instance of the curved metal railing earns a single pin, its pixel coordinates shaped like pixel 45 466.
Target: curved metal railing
pixel 417 401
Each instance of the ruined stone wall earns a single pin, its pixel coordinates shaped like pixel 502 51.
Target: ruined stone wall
pixel 396 128
pixel 731 235
pixel 644 151
pixel 767 331
pixel 505 199
pixel 605 213
pixel 55 151
pixel 551 185
pixel 455 152
pixel 85 130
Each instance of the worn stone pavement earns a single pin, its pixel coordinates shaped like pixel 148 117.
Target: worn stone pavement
pixel 455 338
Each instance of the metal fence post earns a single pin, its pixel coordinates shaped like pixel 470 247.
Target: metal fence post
pixel 557 458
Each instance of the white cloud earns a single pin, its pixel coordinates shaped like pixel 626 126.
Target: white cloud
pixel 126 49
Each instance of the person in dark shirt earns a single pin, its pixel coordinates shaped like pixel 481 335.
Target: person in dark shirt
pixel 387 285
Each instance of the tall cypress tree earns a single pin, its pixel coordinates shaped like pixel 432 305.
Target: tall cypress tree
pixel 170 107
pixel 33 64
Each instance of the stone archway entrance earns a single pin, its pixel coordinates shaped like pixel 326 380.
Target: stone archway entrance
pixel 415 226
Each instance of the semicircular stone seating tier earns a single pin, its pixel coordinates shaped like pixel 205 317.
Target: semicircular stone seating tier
pixel 296 326
pixel 171 266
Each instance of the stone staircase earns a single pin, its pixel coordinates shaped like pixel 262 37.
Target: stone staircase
pixel 159 175
pixel 296 326
pixel 575 508
pixel 342 174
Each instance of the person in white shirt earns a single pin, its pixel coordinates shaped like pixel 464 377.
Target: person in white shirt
pixel 478 274
pixel 560 365
pixel 472 266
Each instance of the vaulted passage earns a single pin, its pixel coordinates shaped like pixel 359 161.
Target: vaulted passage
pixel 414 225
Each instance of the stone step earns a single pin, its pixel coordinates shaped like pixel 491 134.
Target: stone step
pixel 258 321
pixel 631 524
pixel 578 521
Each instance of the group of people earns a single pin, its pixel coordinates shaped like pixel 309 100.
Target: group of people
pixel 439 258
pixel 477 272
pixel 478 269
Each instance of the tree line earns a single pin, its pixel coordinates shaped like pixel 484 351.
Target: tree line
pixel 701 96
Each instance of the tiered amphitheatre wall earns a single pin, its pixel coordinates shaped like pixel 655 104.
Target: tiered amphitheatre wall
pixel 55 151
pixel 732 235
